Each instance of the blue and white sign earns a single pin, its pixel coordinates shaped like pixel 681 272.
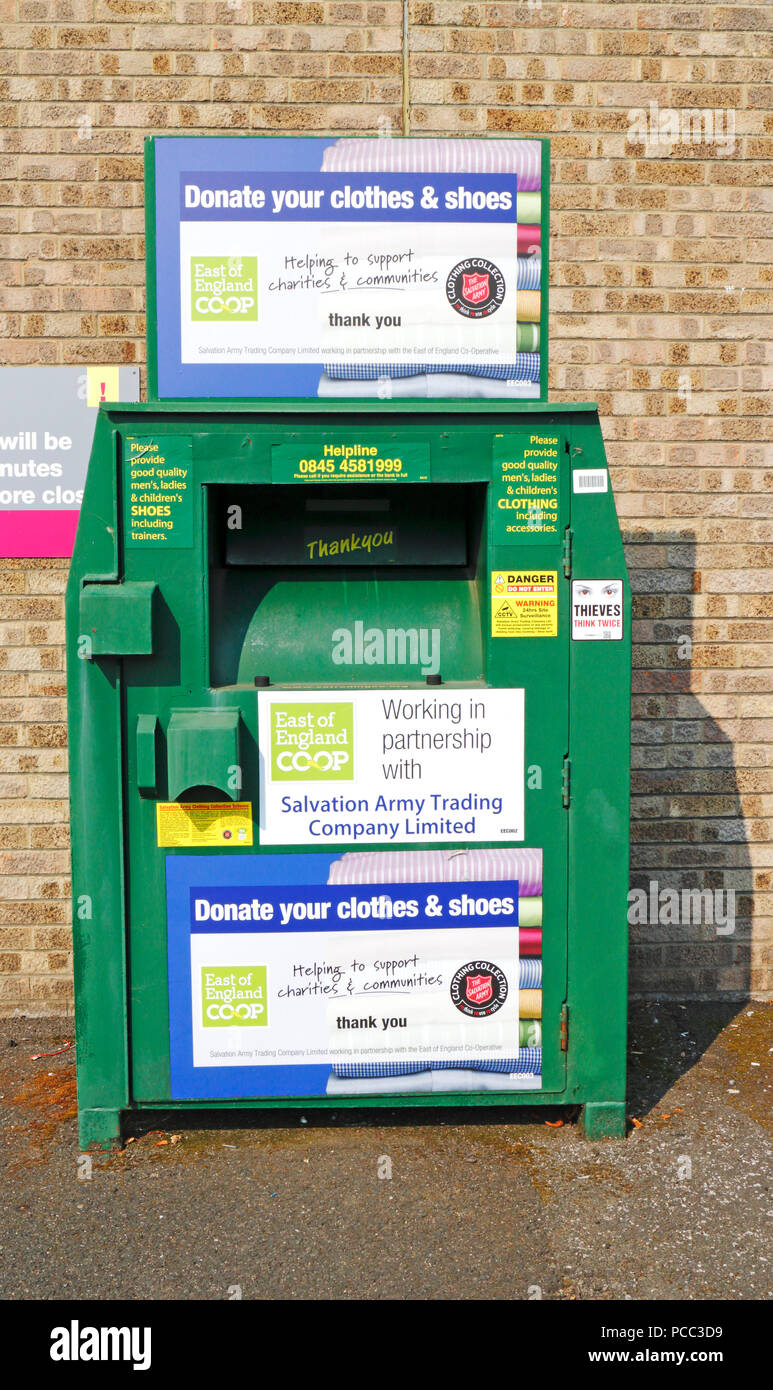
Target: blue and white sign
pixel 375 767
pixel 283 982
pixel 315 267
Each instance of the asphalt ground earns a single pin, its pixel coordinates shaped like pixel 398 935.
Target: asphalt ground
pixel 479 1205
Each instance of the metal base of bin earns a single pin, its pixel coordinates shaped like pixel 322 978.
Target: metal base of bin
pixel 102 1128
pixel 603 1120
pixel 99 1127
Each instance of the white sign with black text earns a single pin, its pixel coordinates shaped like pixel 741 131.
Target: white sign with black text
pixel 391 766
pixel 597 610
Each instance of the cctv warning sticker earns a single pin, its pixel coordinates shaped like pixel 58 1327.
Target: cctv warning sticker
pixel 597 610
pixel 524 603
pixel 195 824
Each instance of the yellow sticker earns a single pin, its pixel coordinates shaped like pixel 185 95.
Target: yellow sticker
pixel 189 824
pixel 524 603
pixel 102 385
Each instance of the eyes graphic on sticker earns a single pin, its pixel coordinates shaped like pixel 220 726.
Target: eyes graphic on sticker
pixel 597 609
pixel 607 590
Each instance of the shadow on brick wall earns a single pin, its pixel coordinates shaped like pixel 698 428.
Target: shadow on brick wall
pixel 689 847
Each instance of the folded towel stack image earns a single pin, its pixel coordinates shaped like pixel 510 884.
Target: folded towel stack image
pixel 458 866
pixel 518 379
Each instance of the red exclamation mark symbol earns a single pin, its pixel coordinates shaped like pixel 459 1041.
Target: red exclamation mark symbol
pixel 102 390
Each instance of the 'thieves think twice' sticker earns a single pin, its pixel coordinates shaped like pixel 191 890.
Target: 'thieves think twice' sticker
pixel 597 610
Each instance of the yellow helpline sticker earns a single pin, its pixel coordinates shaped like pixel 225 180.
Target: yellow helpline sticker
pixel 524 603
pixel 194 824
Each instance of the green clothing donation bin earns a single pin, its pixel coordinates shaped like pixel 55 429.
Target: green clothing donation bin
pixel 349 691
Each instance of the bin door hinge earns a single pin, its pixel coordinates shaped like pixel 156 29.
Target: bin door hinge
pixel 566 782
pixel 567 552
pixel 564 1027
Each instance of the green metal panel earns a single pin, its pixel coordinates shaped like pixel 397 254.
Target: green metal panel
pixel 118 618
pixel 154 724
pixel 271 644
pixel 96 814
pixel 599 823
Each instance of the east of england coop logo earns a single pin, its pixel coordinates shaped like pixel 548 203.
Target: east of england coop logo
pixel 312 742
pixel 223 289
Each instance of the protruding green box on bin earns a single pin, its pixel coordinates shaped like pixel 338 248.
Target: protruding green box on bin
pixel 117 619
pixel 203 750
pixel 350 760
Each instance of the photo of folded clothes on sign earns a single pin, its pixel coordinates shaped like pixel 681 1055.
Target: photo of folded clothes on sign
pixel 426 386
pixel 529 306
pixel 528 1061
pixel 529 272
pixel 527 337
pixel 529 238
pixel 529 207
pixel 430 155
pixel 441 866
pixel 530 1003
pixel 529 914
pixel 530 938
pixel 530 973
pixel 431 1081
pixel 518 380
pixel 524 368
pixel 435 866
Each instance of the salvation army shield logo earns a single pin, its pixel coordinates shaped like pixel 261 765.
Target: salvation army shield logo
pixel 479 989
pixel 475 288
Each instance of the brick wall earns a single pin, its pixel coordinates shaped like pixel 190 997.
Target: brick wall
pixel 662 280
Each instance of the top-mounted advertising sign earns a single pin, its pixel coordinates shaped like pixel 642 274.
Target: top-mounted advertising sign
pixel 377 268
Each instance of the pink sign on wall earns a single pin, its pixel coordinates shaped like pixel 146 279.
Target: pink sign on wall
pixel 47 419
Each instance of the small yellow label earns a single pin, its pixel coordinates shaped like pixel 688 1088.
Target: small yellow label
pixel 190 824
pixel 102 384
pixel 524 603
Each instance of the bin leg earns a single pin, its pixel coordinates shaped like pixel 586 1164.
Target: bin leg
pixel 100 1127
pixel 603 1119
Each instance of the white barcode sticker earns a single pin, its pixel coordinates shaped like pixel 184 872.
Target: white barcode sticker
pixel 590 480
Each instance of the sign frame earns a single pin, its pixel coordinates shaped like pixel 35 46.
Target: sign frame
pixel 152 258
